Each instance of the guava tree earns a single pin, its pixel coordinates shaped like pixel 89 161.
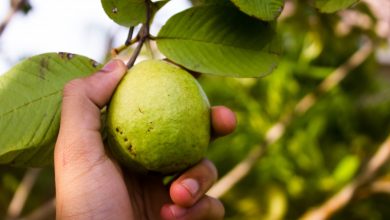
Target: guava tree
pixel 285 126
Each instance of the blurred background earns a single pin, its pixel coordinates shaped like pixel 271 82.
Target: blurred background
pixel 312 140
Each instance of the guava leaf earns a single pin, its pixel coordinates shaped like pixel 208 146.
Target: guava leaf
pixel 30 105
pixel 220 40
pixel 330 6
pixel 159 4
pixel 125 12
pixel 130 12
pixel 203 2
pixel 266 10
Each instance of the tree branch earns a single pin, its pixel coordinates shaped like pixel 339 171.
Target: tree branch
pixel 278 129
pixel 344 196
pixel 16 206
pixel 376 186
pixel 143 35
pixel 16 6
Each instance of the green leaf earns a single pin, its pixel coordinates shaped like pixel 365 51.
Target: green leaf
pixel 330 6
pixel 30 100
pixel 203 2
pixel 220 40
pixel 130 12
pixel 159 4
pixel 266 10
pixel 346 169
pixel 125 12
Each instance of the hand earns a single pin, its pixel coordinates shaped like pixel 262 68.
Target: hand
pixel 89 184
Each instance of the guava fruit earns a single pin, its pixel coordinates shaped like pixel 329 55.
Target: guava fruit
pixel 158 120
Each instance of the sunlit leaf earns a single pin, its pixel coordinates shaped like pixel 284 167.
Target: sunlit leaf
pixel 220 40
pixel 130 12
pixel 346 169
pixel 125 12
pixel 266 10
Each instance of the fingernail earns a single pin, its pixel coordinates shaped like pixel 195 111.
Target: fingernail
pixel 110 66
pixel 177 211
pixel 191 185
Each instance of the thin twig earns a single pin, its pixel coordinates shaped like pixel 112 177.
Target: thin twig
pixel 16 6
pixel 129 36
pixel 278 129
pixel 382 185
pixel 377 185
pixel 121 48
pixel 137 50
pixel 344 196
pixel 16 206
pixel 143 35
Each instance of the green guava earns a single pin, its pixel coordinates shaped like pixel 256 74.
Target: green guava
pixel 158 119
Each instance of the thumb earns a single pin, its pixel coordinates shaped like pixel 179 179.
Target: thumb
pixel 83 172
pixel 80 115
pixel 83 98
pixel 79 137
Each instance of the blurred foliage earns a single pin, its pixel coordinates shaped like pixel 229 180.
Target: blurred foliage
pixel 321 150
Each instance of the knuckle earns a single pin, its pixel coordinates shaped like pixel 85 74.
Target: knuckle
pixel 220 213
pixel 76 153
pixel 212 209
pixel 211 170
pixel 73 87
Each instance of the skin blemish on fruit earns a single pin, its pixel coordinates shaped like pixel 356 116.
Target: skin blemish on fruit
pixel 131 150
pixel 140 110
pixel 115 10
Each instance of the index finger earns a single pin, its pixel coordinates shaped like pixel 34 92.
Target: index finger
pixel 223 121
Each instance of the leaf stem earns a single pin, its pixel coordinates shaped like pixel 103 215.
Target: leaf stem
pixel 142 35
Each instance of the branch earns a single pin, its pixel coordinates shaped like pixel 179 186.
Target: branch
pixel 345 195
pixel 16 206
pixel 376 186
pixel 381 185
pixel 143 35
pixel 16 6
pixel 129 36
pixel 278 129
pixel 129 41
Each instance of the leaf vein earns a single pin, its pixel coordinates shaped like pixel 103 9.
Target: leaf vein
pixel 29 103
pixel 207 42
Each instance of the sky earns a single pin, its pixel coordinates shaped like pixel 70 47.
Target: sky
pixel 76 26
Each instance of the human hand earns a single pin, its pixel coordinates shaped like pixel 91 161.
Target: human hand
pixel 90 184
